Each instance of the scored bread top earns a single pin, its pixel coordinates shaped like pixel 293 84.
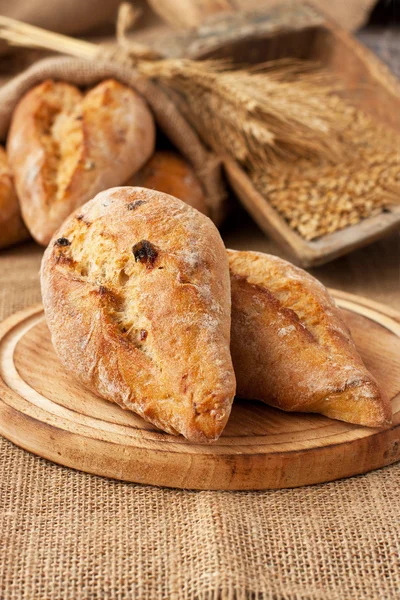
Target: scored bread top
pixel 65 146
pixel 137 297
pixel 291 347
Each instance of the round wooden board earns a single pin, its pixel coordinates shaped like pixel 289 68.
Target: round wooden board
pixel 42 409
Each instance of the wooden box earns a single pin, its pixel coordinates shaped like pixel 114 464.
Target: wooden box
pixel 304 33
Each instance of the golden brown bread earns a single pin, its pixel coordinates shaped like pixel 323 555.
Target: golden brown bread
pixel 12 228
pixel 136 292
pixel 291 348
pixel 169 173
pixel 64 147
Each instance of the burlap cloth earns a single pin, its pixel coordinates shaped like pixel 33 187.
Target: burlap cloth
pixel 169 120
pixel 66 535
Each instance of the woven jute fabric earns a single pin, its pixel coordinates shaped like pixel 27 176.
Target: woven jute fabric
pixel 169 119
pixel 66 535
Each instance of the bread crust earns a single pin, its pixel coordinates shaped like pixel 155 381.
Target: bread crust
pixel 65 146
pixel 169 173
pixel 291 348
pixel 136 293
pixel 12 227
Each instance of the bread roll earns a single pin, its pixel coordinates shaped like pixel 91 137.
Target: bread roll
pixel 169 173
pixel 12 228
pixel 65 146
pixel 291 348
pixel 136 293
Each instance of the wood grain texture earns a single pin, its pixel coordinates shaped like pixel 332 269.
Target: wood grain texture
pixel 304 33
pixel 44 410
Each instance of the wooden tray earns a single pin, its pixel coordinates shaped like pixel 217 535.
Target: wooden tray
pixel 301 31
pixel 43 410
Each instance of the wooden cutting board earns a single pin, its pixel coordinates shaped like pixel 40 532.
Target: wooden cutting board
pixel 43 410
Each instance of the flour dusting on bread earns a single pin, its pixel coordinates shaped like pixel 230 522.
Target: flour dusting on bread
pixel 65 146
pixel 291 347
pixel 138 304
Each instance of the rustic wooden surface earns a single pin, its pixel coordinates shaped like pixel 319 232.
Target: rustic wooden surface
pixel 373 271
pixel 44 410
pixel 302 32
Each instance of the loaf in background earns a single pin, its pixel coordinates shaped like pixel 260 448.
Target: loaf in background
pixel 12 227
pixel 169 173
pixel 291 348
pixel 136 292
pixel 65 146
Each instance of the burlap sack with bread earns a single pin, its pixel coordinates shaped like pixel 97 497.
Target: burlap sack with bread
pixel 74 128
pixel 144 304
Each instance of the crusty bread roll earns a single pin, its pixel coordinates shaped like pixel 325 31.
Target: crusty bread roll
pixel 169 173
pixel 291 348
pixel 65 146
pixel 12 228
pixel 136 293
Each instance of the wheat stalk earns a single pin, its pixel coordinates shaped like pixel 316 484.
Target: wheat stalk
pixel 17 33
pixel 254 115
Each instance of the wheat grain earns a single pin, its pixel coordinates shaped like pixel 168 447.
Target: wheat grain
pixel 317 197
